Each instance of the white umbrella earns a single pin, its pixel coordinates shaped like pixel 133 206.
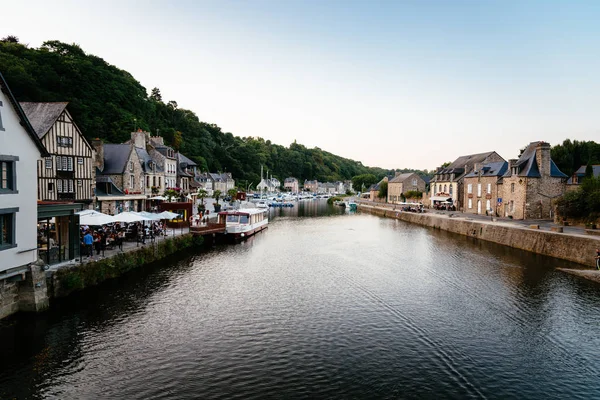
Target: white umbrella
pixel 127 216
pixel 152 216
pixel 88 212
pixel 96 219
pixel 157 198
pixel 168 215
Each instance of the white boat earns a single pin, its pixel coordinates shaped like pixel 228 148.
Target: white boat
pixel 262 204
pixel 244 222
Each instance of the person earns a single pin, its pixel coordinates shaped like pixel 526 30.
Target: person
pixel 598 259
pixel 88 241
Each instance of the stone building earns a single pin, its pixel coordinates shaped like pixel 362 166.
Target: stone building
pixel 481 188
pixel 447 182
pixel 531 183
pixel 291 184
pixel 186 174
pixel 120 178
pixel 374 191
pixel 311 186
pixel 575 180
pixel 402 183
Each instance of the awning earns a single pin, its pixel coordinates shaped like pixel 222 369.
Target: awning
pixel 440 198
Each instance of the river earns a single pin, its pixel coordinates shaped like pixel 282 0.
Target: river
pixel 320 305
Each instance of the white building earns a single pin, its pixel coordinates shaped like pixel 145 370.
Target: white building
pixel 20 149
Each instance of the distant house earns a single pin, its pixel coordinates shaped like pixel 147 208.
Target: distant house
pixel 481 188
pixel 575 180
pixel 447 182
pixel 291 184
pixel 20 149
pixel 348 186
pixel 186 173
pixel 402 183
pixel 222 181
pixel 374 191
pixel 269 185
pixel 311 186
pixel 531 183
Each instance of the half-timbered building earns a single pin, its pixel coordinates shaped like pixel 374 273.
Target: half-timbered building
pixel 68 173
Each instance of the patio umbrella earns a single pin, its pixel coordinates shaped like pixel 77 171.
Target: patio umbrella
pixel 157 198
pixel 87 212
pixel 96 219
pixel 168 215
pixel 127 216
pixel 149 215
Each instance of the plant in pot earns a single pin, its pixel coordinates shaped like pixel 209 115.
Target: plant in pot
pixel 232 193
pixel 202 195
pixel 217 196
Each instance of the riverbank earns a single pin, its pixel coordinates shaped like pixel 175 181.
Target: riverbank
pixel 578 248
pixel 35 292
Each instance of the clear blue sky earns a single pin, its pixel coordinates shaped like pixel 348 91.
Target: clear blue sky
pixel 394 84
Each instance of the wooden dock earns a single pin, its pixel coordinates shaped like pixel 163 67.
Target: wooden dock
pixel 207 229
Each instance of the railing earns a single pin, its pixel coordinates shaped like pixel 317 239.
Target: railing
pixel 207 229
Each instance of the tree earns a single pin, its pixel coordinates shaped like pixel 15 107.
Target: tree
pixel 10 39
pixel 170 193
pixel 177 140
pixel 363 181
pixel 155 95
pixel 589 171
pixel 202 195
pixel 232 193
pixel 383 190
pixel 217 196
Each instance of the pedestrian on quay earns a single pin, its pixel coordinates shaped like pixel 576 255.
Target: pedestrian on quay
pixel 598 259
pixel 88 241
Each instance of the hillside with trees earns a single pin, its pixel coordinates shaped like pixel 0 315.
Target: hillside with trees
pixel 109 103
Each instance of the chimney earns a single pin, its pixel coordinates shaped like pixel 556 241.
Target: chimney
pixel 158 140
pixel 139 139
pixel 99 153
pixel 511 164
pixel 477 167
pixel 542 156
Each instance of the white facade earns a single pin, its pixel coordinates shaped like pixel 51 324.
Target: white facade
pixel 18 240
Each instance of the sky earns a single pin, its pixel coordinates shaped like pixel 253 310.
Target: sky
pixel 393 84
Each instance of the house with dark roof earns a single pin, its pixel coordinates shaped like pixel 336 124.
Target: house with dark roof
pixel 402 183
pixel 291 184
pixel 575 180
pixel 20 148
pixel 531 183
pixel 481 188
pixel 67 174
pixel 447 182
pixel 186 174
pixel 311 186
pixel 374 190
pixel 120 178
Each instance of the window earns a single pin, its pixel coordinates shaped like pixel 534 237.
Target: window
pixel 159 185
pixel 59 185
pixel 80 160
pixel 79 182
pixel 48 162
pixel 147 181
pixel 445 189
pixel 131 181
pixel 7 228
pixel 470 188
pixel 70 163
pixel 8 181
pixel 1 126
pixel 451 188
pixel 512 187
pixel 488 205
pixel 71 189
pixel 131 166
pixel 470 203
pixel 50 186
pixel 479 190
pixel 415 182
pixel 64 141
pixel 489 188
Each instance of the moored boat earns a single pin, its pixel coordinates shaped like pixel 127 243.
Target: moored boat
pixel 244 222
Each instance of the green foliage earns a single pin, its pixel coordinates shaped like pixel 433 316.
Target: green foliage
pixel 217 196
pixel 589 171
pixel 413 194
pixel 232 193
pixel 108 103
pixel 170 193
pixel 383 190
pixel 362 182
pixel 571 155
pixel 583 203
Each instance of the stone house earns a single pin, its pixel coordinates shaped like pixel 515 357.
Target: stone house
pixel 311 186
pixel 531 183
pixel 291 184
pixel 402 183
pixel 222 181
pixel 374 191
pixel 186 174
pixel 575 180
pixel 348 186
pixel 268 185
pixel 20 150
pixel 120 178
pixel 481 188
pixel 447 182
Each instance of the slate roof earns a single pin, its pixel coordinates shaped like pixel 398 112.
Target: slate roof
pixel 498 168
pixel 184 161
pixel 581 172
pixel 23 117
pixel 290 180
pixel 146 160
pixel 100 180
pixel 457 167
pixel 162 149
pixel 43 115
pixel 115 158
pixel 401 178
pixel 528 166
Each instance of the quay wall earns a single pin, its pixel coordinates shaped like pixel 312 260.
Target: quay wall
pixel 32 291
pixel 570 247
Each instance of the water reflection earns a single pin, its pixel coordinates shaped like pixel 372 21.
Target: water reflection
pixel 342 306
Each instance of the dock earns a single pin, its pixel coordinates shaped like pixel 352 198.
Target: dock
pixel 207 229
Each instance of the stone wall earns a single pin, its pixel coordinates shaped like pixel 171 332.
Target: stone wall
pixel 492 197
pixel 28 294
pixel 9 298
pixel 579 249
